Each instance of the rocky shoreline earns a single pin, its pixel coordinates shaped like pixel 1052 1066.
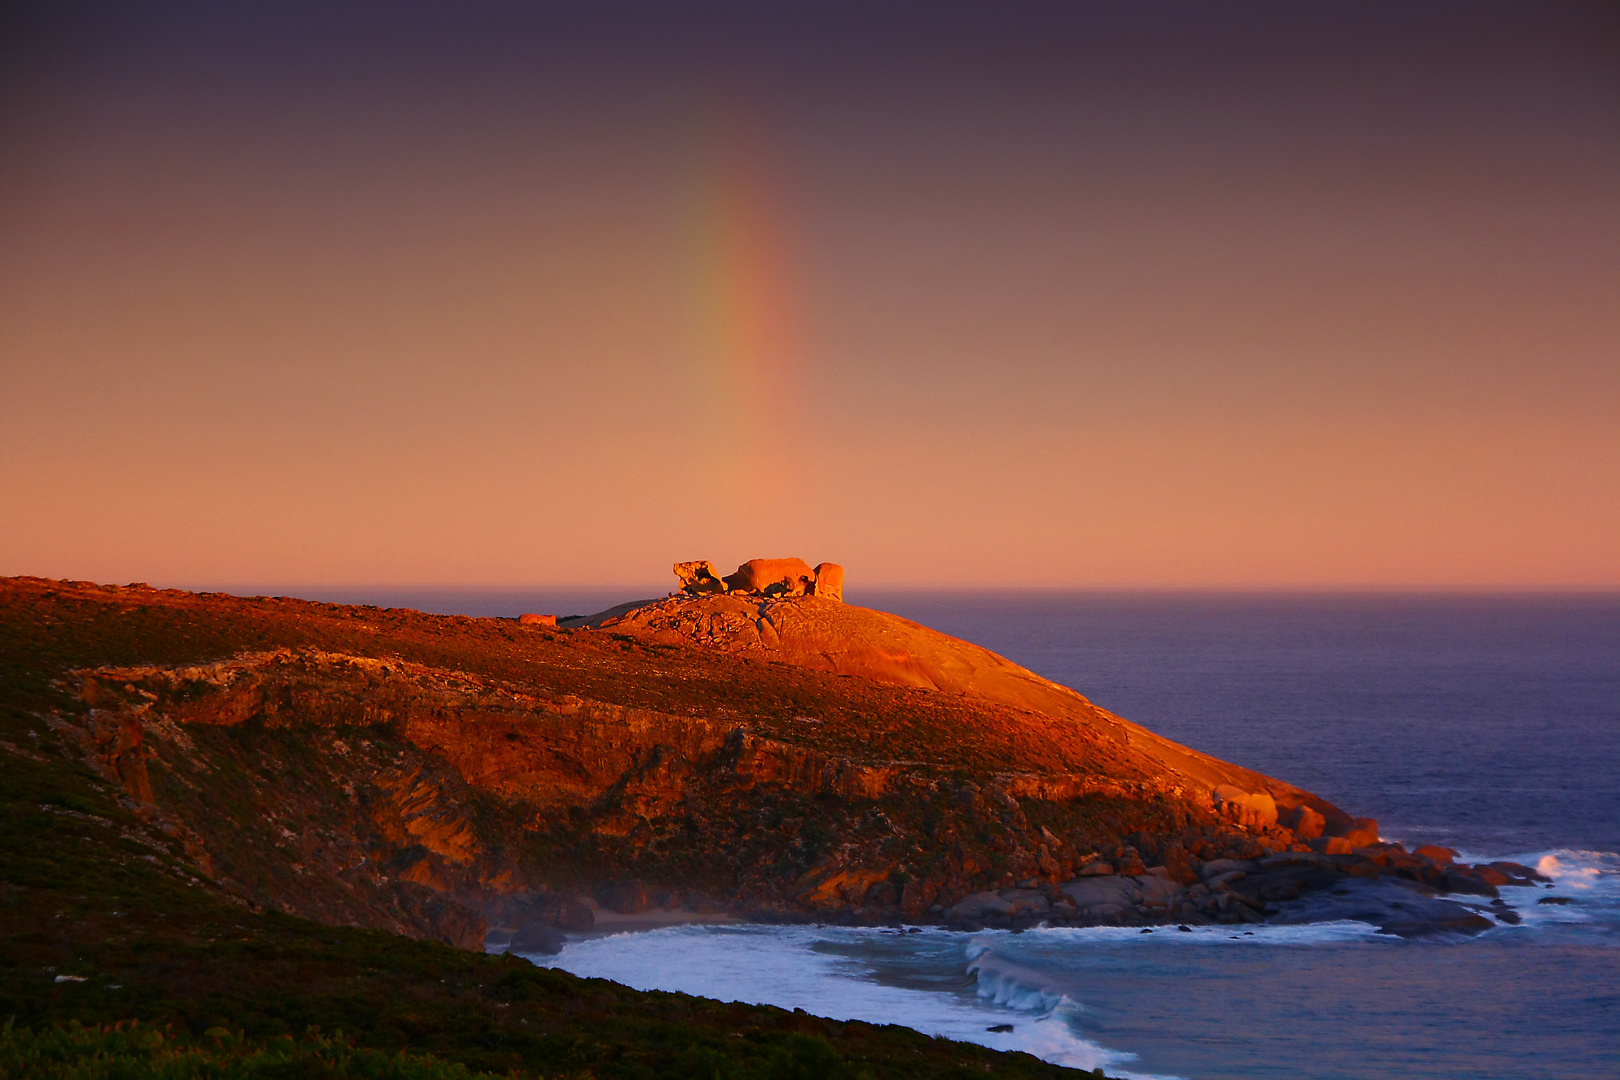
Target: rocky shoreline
pixel 1409 894
pixel 1401 892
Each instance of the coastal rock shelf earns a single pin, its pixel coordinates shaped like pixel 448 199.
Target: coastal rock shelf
pixel 1382 884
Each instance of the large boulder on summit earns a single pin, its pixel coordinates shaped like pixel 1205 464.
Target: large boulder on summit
pixel 763 577
pixel 829 581
pixel 699 577
pixel 772 577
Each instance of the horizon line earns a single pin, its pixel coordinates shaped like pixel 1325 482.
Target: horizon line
pixel 248 588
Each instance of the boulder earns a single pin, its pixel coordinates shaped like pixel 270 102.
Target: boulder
pixel 1378 853
pixel 1257 810
pixel 1025 901
pixel 1394 906
pixel 1155 891
pixel 1217 867
pixel 1362 832
pixel 772 577
pixel 1178 864
pixel 977 907
pixel 1461 879
pixel 1331 845
pixel 1305 821
pixel 1435 853
pixel 1516 873
pixel 699 577
pixel 1104 898
pixel 537 620
pixel 829 583
pixel 1130 864
pixel 537 939
pixel 1096 869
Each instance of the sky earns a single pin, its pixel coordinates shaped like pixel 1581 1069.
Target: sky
pixel 1295 295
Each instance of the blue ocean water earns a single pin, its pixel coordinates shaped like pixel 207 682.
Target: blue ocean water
pixel 1490 723
pixel 1487 723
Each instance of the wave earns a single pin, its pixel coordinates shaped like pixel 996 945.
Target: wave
pixel 835 972
pixel 1582 901
pixel 1054 1035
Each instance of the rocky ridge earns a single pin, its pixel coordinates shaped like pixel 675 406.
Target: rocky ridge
pixel 443 777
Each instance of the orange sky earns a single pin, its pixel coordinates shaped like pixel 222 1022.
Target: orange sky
pixel 1044 298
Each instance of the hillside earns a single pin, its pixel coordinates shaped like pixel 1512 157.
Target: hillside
pixel 238 812
pixel 440 776
pixel 126 894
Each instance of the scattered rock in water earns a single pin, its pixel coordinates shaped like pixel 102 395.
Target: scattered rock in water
pixel 1559 900
pixel 999 1028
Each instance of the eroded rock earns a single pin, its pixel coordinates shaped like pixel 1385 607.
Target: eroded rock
pixel 829 583
pixel 763 577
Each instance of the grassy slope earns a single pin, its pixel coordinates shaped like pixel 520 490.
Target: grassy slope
pixel 82 894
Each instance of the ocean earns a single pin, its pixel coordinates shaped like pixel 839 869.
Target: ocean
pixel 1490 724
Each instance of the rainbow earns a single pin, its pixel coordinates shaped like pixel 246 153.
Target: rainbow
pixel 740 295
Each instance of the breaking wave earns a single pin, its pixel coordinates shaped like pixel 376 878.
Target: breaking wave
pixel 851 974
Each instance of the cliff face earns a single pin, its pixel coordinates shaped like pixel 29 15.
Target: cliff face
pixel 438 776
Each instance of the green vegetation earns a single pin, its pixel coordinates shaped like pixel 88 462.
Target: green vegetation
pixel 143 1052
pixel 136 1052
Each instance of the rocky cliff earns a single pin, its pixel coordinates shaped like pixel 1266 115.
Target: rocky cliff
pixel 777 758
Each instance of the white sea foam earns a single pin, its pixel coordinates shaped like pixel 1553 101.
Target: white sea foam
pixel 958 987
pixel 1323 933
pixel 830 972
pixel 1589 882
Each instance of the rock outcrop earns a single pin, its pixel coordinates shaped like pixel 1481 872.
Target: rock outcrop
pixel 763 577
pixel 829 584
pixel 774 757
pixel 1401 893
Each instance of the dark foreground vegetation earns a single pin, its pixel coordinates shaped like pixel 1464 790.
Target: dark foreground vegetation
pixel 167 975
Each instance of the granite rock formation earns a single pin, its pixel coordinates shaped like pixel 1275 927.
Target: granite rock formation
pixel 763 577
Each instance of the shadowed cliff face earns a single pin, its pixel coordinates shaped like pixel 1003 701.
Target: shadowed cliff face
pixel 437 776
